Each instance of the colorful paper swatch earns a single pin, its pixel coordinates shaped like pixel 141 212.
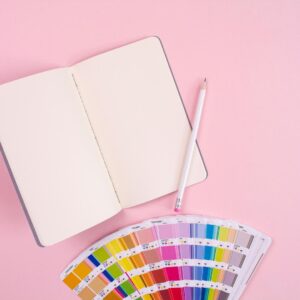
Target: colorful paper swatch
pixel 175 257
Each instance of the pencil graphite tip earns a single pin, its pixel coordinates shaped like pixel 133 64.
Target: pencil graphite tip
pixel 204 83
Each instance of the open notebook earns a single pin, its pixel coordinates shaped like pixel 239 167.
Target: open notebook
pixel 86 141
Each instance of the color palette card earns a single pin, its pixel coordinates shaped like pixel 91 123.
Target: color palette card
pixel 175 257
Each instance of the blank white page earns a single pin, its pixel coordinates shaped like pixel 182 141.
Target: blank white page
pixel 138 119
pixel 54 158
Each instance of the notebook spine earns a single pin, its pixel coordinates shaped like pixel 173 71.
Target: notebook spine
pixel 95 137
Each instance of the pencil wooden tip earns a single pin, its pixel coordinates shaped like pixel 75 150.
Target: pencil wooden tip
pixel 204 83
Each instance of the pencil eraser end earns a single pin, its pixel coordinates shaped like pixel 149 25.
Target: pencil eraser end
pixel 177 209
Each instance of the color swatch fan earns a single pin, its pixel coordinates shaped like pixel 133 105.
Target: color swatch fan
pixel 176 257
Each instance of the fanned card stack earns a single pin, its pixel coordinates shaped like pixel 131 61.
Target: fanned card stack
pixel 175 257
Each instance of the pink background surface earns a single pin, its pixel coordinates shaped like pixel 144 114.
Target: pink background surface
pixel 249 137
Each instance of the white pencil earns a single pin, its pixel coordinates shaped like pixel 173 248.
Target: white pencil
pixel 191 146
